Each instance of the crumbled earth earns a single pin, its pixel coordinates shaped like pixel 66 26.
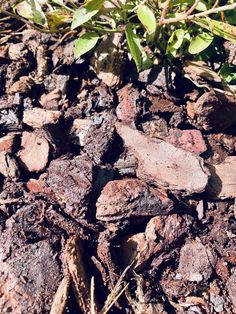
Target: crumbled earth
pixel 111 177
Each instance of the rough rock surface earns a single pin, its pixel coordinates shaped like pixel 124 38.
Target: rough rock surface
pixel 39 117
pixel 162 163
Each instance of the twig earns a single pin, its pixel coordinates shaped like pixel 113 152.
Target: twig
pixel 184 16
pixel 164 12
pixel 9 201
pixel 193 7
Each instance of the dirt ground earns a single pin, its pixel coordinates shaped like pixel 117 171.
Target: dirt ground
pixel 123 180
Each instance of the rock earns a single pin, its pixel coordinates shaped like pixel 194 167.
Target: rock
pixel 34 153
pixel 231 287
pixel 70 180
pixel 8 166
pixel 38 117
pixel 132 247
pixel 163 103
pixel 7 142
pixel 189 140
pixel 196 262
pixel 200 210
pixel 30 271
pixel 36 186
pixel 79 130
pixel 126 164
pixel 129 106
pixel 212 112
pixel 222 183
pixel 130 197
pixel 161 163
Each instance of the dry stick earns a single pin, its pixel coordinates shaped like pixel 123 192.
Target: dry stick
pixel 184 16
pixel 164 11
pixel 193 7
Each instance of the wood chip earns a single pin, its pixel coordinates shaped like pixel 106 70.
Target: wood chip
pixel 61 297
pixel 163 164
pixel 38 117
pixel 34 152
pixel 222 183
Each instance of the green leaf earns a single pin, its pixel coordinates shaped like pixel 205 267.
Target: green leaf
pixel 147 18
pixel 228 73
pixel 200 43
pixel 58 18
pixel 175 41
pixel 85 43
pixel 134 45
pixel 86 12
pixel 59 2
pixel 24 9
pixel 38 14
pixel 218 28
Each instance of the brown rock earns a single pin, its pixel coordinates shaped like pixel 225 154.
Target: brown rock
pixel 196 262
pixel 163 103
pixel 189 140
pixel 34 153
pixel 128 107
pixel 130 197
pixel 222 183
pixel 17 51
pixel 38 117
pixel 7 142
pixel 212 112
pixel 163 164
pixel 231 287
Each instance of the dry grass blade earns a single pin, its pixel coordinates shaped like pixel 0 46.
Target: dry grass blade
pixel 61 296
pixel 115 294
pixel 93 309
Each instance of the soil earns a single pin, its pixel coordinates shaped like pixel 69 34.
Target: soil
pixel 123 180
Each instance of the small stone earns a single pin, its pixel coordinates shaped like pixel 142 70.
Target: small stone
pixel 196 262
pixel 35 186
pixel 189 140
pixel 34 153
pixel 163 164
pixel 129 107
pixel 22 86
pixel 38 117
pixel 222 183
pixel 200 210
pixel 51 100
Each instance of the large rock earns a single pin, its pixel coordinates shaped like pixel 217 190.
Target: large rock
pixel 161 163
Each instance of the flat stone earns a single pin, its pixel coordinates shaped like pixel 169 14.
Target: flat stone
pixel 38 117
pixel 222 183
pixel 163 164
pixel 34 153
